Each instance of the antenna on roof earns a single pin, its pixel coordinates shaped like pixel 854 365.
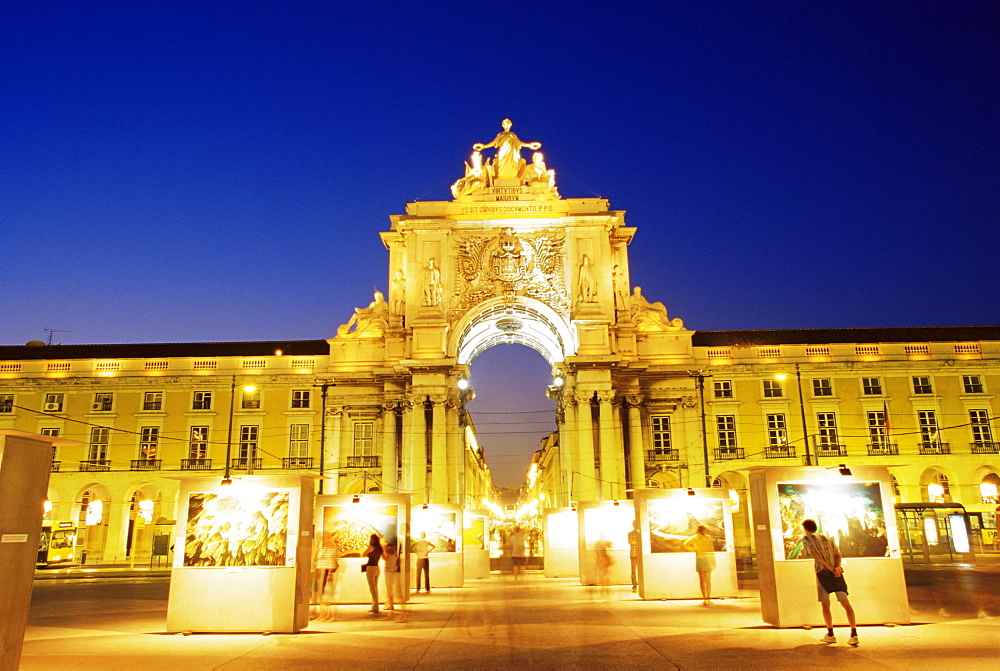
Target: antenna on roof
pixel 51 331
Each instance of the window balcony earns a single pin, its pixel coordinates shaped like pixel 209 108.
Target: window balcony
pixel 882 449
pixel 95 465
pixel 663 454
pixel 831 450
pixel 979 447
pixel 146 464
pixel 727 453
pixel 196 464
pixel 362 461
pixel 778 452
pixel 242 463
pixel 297 462
pixel 934 447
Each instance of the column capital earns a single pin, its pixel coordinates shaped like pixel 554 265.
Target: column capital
pixel 606 395
pixel 438 399
pixel 583 397
pixel 633 400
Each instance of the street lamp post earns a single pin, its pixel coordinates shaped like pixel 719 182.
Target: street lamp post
pixel 700 375
pixel 227 477
pixel 802 411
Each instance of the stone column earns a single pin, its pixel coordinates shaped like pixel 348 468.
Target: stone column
pixel 637 450
pixel 439 451
pixel 335 417
pixel 565 421
pixel 390 465
pixel 406 445
pixel 612 454
pixel 585 486
pixel 416 450
pixel 456 462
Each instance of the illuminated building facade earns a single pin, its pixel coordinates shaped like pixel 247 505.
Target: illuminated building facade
pixel 380 406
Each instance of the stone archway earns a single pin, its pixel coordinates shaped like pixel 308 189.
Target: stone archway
pixel 523 321
pixel 938 485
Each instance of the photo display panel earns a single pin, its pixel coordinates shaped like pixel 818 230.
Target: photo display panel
pixel 474 533
pixel 674 520
pixel 248 527
pixel 349 527
pixel 441 528
pixel 850 513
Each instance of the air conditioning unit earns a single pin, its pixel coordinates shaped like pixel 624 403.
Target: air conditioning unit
pixel 653 484
pixel 53 407
pixel 98 406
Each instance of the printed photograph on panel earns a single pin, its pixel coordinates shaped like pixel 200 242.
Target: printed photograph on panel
pixel 474 534
pixel 441 529
pixel 610 524
pixel 674 520
pixel 347 528
pixel 850 513
pixel 238 529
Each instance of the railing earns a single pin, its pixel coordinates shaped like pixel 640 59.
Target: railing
pixel 196 464
pixel 933 447
pixel 778 452
pixel 297 462
pixel 55 466
pixel 95 465
pixel 830 450
pixel 663 454
pixel 362 461
pixel 726 453
pixel 882 449
pixel 240 463
pixel 979 447
pixel 146 464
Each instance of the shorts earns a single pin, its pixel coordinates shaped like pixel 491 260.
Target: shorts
pixel 704 562
pixel 518 561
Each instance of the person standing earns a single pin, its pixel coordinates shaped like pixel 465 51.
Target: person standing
pixel 704 561
pixel 633 553
pixel 829 579
pixel 376 546
pixel 516 544
pixel 422 548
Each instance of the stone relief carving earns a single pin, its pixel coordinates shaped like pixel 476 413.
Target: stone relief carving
pixel 606 396
pixel 651 316
pixel 507 169
pixel 508 163
pixel 689 402
pixel 432 284
pixel 510 265
pixel 369 322
pixel 475 178
pixel 399 293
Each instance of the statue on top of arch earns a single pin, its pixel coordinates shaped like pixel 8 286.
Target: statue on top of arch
pixel 507 167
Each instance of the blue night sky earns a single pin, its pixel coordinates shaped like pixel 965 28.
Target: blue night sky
pixel 212 171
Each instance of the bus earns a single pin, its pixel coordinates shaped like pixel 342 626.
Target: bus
pixel 57 545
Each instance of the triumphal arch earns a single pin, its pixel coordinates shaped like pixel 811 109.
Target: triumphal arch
pixel 508 260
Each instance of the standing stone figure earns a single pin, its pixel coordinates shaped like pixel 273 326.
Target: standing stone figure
pixel 432 284
pixel 587 281
pixel 399 294
pixel 508 163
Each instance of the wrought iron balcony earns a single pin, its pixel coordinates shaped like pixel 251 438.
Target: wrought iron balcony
pixel 196 464
pixel 778 452
pixel 979 447
pixel 362 461
pixel 663 454
pixel 146 464
pixel 240 463
pixel 934 447
pixel 882 449
pixel 55 466
pixel 95 465
pixel 831 450
pixel 727 453
pixel 297 462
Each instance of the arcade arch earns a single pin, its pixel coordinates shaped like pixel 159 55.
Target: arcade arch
pixel 524 321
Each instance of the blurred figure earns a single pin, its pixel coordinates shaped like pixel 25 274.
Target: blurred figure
pixel 704 560
pixel 515 542
pixel 326 561
pixel 604 561
pixel 393 580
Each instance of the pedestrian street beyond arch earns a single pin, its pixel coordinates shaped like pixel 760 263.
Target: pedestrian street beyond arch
pixel 493 623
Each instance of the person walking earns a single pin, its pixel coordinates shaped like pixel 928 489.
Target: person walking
pixel 376 546
pixel 422 548
pixel 704 561
pixel 633 553
pixel 829 579
pixel 393 580
pixel 326 562
pixel 516 544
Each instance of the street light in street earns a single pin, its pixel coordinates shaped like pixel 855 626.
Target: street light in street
pixel 226 477
pixel 802 410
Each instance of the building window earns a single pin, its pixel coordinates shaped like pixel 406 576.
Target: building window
pixel 49 431
pixel 364 438
pixel 827 423
pixel 973 384
pixel 772 389
pixel 250 400
pixel 298 440
pixel 254 363
pixel 53 403
pixel 979 421
pixel 894 483
pixel 922 385
pixel 777 434
pixel 248 441
pixel 939 490
pixel 300 398
pixel 661 434
pixel 822 387
pixel 149 440
pixel 927 421
pixel 871 386
pixel 205 364
pixel 202 400
pixel 303 363
pixel 876 427
pixel 157 365
pixel 726 425
pixel 6 402
pixel 152 400
pixel 98 443
pixel 103 401
pixel 723 388
pixel 198 447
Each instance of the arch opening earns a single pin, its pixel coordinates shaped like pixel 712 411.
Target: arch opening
pixel 521 321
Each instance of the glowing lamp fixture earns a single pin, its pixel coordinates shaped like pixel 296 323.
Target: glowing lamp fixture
pixel 935 492
pixel 780 376
pixel 690 491
pixel 463 384
pixel 356 499
pixel 249 388
pixel 226 481
pixel 47 505
pixel 987 490
pixel 558 382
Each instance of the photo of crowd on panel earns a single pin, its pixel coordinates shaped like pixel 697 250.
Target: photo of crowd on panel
pixel 440 527
pixel 248 527
pixel 673 521
pixel 348 528
pixel 851 513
